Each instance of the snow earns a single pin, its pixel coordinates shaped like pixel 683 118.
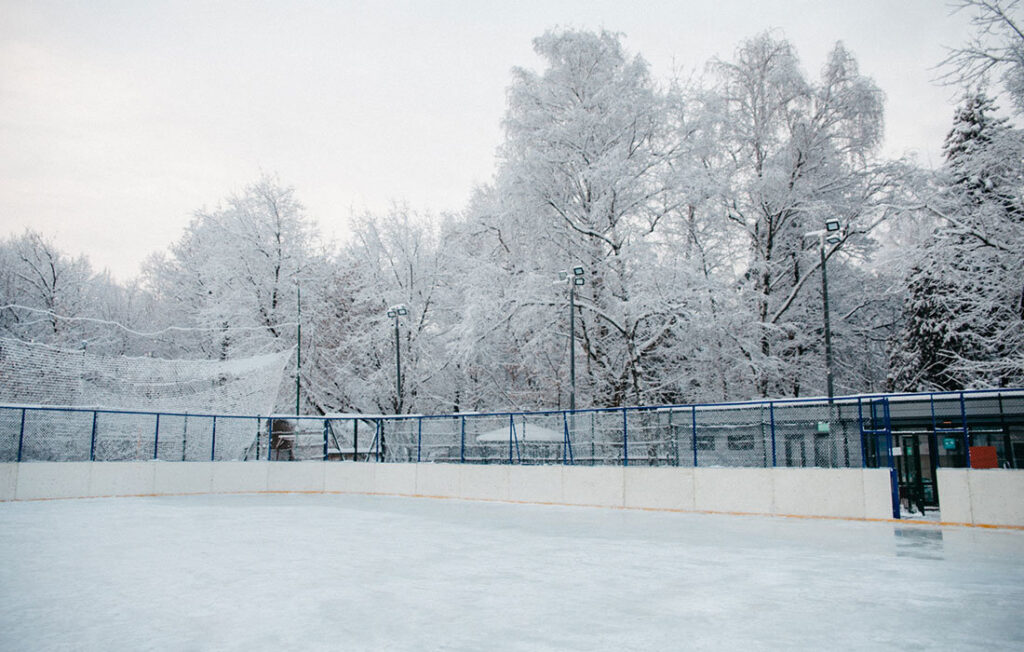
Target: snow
pixel 270 572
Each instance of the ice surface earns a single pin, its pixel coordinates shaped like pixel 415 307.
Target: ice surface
pixel 270 572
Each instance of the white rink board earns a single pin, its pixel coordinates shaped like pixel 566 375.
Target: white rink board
pixel 982 496
pixel 844 493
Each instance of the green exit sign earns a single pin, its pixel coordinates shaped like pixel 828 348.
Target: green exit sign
pixel 823 426
pixel 949 443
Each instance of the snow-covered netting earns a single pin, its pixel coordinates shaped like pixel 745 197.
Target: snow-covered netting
pixel 36 375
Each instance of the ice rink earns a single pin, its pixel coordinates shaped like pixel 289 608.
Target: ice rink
pixel 301 572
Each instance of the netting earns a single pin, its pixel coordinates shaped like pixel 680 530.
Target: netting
pixel 36 375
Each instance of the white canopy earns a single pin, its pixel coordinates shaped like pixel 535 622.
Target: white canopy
pixel 525 432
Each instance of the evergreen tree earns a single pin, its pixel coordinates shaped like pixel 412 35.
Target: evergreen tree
pixel 964 323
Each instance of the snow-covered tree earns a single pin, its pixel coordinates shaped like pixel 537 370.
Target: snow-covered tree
pixel 53 286
pixel 586 179
pixel 965 312
pixel 792 154
pixel 996 46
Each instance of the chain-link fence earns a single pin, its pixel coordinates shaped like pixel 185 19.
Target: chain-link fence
pixel 869 431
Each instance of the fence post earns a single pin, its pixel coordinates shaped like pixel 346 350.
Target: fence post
pixel 894 482
pixel 675 437
pixel 92 439
pixel 325 439
pixel 156 438
pixel 355 440
pixel 566 444
pixel 462 440
pixel 625 438
pixel 270 437
pixel 771 413
pixel 419 438
pixel 380 440
pixel 511 434
pixel 213 441
pixel 967 433
pixel 693 432
pixel 21 434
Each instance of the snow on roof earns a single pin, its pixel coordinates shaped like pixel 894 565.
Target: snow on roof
pixel 524 432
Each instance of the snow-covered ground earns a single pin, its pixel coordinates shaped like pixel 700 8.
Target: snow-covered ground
pixel 273 572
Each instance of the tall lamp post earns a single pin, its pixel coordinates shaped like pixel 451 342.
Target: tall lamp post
pixel 575 277
pixel 830 235
pixel 298 343
pixel 394 312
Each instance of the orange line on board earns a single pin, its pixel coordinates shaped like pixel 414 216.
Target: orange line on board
pixel 895 521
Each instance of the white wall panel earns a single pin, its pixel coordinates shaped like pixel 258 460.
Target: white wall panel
pixel 484 482
pixel 8 480
pixel 183 478
pixel 52 480
pixel 658 488
pixel 819 492
pixel 746 491
pixel 296 476
pixel 240 477
pixel 997 496
pixel 397 479
pixel 349 477
pixel 122 478
pixel 535 484
pixel 437 480
pixel 592 485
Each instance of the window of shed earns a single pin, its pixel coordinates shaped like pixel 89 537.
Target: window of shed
pixel 741 442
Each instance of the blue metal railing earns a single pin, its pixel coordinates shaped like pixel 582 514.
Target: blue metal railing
pixel 782 432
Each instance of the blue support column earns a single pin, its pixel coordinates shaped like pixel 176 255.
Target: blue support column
pixel 21 434
pixel 967 433
pixel 380 440
pixel 693 432
pixel 511 435
pixel 92 439
pixel 462 440
pixel 625 438
pixel 325 439
pixel 156 438
pixel 893 478
pixel 419 438
pixel 567 457
pixel 771 413
pixel 213 441
pixel 270 436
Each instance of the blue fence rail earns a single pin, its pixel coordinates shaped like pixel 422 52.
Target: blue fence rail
pixel 857 431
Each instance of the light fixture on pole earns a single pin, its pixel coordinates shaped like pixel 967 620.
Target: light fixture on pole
pixel 831 235
pixel 576 277
pixel 394 312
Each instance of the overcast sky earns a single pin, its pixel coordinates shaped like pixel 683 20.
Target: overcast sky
pixel 118 119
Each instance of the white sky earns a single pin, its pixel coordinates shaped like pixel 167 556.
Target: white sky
pixel 118 119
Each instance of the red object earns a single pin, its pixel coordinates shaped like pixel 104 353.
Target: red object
pixel 984 457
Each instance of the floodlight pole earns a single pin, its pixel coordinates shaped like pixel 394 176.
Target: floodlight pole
pixel 298 343
pixel 398 365
pixel 828 324
pixel 572 346
pixel 395 312
pixel 574 276
pixel 831 234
